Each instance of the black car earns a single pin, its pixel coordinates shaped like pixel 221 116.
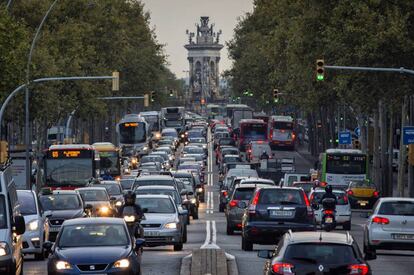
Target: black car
pixel 94 245
pixel 315 253
pixel 273 211
pixel 63 205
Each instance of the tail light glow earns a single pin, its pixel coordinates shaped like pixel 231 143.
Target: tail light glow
pixel 360 269
pixel 380 220
pixel 308 205
pixel 376 194
pixel 283 268
pixel 255 201
pixel 350 192
pixel 328 212
pixel 233 203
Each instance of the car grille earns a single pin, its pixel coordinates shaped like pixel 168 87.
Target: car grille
pixel 92 267
pixel 151 225
pixel 157 239
pixel 55 222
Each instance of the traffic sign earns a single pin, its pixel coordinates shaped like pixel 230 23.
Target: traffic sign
pixel 345 138
pixel 408 135
pixel 357 131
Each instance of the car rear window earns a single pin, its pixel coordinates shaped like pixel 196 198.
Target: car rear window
pixel 243 194
pixel 307 187
pixel 405 208
pixel 321 253
pixel 154 182
pixel 281 196
pixel 340 197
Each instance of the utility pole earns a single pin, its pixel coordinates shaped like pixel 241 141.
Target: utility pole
pixel 410 165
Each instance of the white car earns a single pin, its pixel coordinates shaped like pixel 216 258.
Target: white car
pixel 37 227
pixel 343 208
pixel 391 226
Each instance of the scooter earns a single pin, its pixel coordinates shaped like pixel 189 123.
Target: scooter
pixel 133 222
pixel 328 221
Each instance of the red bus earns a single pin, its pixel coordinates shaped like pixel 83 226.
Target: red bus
pixel 251 130
pixel 70 166
pixel 282 133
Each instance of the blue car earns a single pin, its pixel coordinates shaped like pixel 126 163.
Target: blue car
pixel 94 245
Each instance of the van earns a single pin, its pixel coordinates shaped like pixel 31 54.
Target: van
pixel 12 225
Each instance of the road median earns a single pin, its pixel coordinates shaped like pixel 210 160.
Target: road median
pixel 209 261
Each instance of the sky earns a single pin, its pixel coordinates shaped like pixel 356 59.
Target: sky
pixel 171 18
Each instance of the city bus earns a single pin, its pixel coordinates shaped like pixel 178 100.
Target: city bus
pixel 340 166
pixel 133 136
pixel 282 132
pixel 251 130
pixel 173 117
pixel 153 120
pixel 110 159
pixel 236 112
pixel 214 111
pixel 71 166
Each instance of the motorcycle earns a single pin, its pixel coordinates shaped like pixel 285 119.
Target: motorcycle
pixel 133 222
pixel 328 221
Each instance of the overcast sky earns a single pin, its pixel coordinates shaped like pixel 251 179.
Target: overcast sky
pixel 171 18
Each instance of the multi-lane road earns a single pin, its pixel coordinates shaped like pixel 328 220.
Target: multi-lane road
pixel 210 232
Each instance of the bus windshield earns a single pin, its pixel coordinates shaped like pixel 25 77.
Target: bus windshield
pixel 131 133
pixel 256 130
pixel 110 162
pixel 346 164
pixel 153 121
pixel 73 171
pixel 283 125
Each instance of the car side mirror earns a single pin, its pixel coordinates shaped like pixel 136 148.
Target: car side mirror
pixel 19 226
pixel 370 256
pixel 242 204
pixel 139 243
pixel 48 246
pixel 265 254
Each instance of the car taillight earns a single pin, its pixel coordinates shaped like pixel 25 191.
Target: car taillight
pixel 283 268
pixel 224 193
pixel 293 136
pixel 328 212
pixel 255 201
pixel 360 269
pixel 233 203
pixel 380 220
pixel 308 205
pixel 376 193
pixel 350 192
pixel 346 199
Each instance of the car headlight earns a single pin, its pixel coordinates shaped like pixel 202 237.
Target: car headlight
pixel 171 225
pixel 193 200
pixel 104 209
pixel 171 158
pixel 33 225
pixel 145 148
pixel 129 218
pixel 118 203
pixel 124 263
pixel 158 135
pixel 4 249
pixel 182 135
pixel 134 161
pixel 61 265
pixel 204 146
pixel 200 190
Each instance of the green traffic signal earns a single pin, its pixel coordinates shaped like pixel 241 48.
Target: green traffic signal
pixel 320 77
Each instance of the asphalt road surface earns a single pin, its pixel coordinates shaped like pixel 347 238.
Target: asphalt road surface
pixel 210 231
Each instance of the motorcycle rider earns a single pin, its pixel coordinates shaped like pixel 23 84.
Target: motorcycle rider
pixel 264 155
pixel 130 201
pixel 328 194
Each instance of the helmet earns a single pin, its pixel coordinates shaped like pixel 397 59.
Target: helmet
pixel 130 198
pixel 328 189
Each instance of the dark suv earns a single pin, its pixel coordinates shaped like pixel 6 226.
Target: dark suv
pixel 272 211
pixel 315 253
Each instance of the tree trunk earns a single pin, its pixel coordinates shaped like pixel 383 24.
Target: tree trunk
pixel 403 151
pixel 410 167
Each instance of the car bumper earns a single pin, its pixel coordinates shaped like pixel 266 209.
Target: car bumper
pixel 269 232
pixel 162 237
pixel 381 239
pixel 7 266
pixel 339 219
pixel 281 143
pixel 32 242
pixel 362 201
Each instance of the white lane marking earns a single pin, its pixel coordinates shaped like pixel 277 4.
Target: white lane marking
pixel 211 236
pixel 208 203
pixel 211 202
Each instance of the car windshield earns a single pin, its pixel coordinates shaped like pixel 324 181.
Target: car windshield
pixel 93 235
pixel 320 253
pixel 154 182
pixel 94 195
pixel 361 184
pixel 60 202
pixel 152 158
pixel 172 193
pixel 307 187
pixel 242 173
pixel 195 134
pixel 130 133
pixel 170 133
pixel 113 189
pixel 188 167
pixel 156 205
pixel 3 217
pixel 231 159
pixel 243 194
pixel 197 140
pixel 127 183
pixel 226 141
pixel 281 196
pixel 403 208
pixel 27 203
pixel 229 152
pixel 193 150
pixel 340 197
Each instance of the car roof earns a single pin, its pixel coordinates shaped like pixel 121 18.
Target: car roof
pixel 231 156
pixel 155 187
pixel 182 173
pixel 156 196
pixel 250 179
pixel 91 188
pixel 109 182
pixel 249 185
pixel 64 192
pixel 393 199
pixel 320 237
pixel 154 177
pixel 93 220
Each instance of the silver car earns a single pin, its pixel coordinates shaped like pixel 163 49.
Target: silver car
pixel 390 226
pixel 343 208
pixel 37 227
pixel 162 224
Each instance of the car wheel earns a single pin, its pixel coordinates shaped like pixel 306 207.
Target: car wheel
pixel 185 235
pixel 178 247
pixel 39 256
pixel 229 231
pixel 347 226
pixel 246 245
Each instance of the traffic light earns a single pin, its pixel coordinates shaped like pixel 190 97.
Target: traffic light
pixel 356 144
pixel 152 97
pixel 171 93
pixel 320 70
pixel 275 95
pixel 115 81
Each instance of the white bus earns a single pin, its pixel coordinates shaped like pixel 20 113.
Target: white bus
pixel 173 117
pixel 282 132
pixel 133 135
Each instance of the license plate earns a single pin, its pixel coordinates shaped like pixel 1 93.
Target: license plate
pixel 281 213
pixel 54 229
pixel 403 236
pixel 151 233
pixel 363 203
pixel 328 220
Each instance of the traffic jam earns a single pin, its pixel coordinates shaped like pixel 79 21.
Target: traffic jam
pixel 102 207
